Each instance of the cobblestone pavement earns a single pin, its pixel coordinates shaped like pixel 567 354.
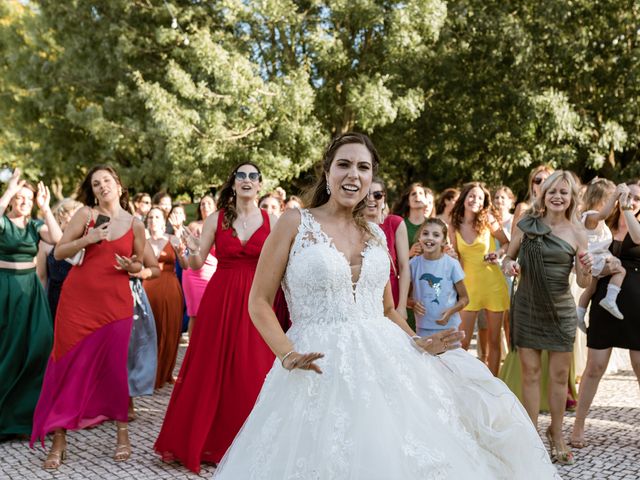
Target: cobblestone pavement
pixel 613 435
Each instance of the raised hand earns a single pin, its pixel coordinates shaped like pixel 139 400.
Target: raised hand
pixel 176 222
pixel 415 250
pixel 15 183
pixel 43 197
pixel 303 361
pixel 191 241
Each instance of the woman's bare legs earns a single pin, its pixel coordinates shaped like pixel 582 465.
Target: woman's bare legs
pixel 597 361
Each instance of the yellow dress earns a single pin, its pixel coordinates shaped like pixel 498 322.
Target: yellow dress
pixel 486 285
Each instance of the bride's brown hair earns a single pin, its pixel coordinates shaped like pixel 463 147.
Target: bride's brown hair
pixel 317 195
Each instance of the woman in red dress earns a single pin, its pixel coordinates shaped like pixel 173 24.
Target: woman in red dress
pixel 86 378
pixel 227 360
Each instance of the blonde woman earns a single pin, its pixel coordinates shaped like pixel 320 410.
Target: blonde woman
pixel 542 251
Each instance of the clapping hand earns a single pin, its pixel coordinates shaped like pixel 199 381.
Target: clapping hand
pixel 125 263
pixel 43 197
pixel 303 361
pixel 175 221
pixel 191 241
pixel 15 183
pixel 449 250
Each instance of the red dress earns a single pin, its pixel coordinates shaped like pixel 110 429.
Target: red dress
pixel 390 227
pixel 226 362
pixel 86 378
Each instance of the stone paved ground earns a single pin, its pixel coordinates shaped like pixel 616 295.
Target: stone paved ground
pixel 613 450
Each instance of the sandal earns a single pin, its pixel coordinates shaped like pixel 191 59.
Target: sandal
pixel 123 450
pixel 55 457
pixel 563 457
pixel 578 443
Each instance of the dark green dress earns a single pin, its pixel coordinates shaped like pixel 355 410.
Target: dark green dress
pixel 543 311
pixel 26 329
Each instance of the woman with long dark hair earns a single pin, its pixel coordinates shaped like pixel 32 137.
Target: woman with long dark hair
pixel 227 360
pixel 475 233
pixel 86 378
pixel 383 407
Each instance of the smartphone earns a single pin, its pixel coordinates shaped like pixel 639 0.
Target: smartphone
pixel 102 219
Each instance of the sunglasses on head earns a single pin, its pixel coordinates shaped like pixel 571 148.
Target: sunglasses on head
pixel 537 180
pixel 253 176
pixel 379 195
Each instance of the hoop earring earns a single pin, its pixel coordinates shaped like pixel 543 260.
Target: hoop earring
pixel 328 189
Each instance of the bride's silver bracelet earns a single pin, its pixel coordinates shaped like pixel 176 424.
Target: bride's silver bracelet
pixel 285 357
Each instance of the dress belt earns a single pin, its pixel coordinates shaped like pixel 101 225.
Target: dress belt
pixel 17 265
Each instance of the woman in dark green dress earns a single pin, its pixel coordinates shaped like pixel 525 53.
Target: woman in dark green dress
pixel 26 328
pixel 545 243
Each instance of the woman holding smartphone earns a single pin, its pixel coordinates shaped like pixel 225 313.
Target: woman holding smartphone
pixel 86 378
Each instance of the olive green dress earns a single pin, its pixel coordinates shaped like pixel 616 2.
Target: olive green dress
pixel 26 329
pixel 543 311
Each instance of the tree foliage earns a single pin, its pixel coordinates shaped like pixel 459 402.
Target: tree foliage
pixel 175 92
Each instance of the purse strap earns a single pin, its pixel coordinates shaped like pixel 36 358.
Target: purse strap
pixel 86 225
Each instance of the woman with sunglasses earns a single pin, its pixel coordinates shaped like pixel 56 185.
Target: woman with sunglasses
pixel 227 360
pixel 395 232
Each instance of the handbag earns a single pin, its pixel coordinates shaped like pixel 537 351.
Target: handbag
pixel 78 258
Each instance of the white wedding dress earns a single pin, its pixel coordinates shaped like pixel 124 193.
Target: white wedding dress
pixel 382 410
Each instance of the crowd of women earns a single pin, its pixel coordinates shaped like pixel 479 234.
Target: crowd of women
pixel 97 291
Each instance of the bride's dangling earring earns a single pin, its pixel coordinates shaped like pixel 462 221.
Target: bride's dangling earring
pixel 328 189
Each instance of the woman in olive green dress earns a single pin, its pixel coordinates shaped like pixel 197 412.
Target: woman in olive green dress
pixel 26 327
pixel 546 242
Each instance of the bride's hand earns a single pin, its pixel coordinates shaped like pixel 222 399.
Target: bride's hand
pixel 442 341
pixel 303 361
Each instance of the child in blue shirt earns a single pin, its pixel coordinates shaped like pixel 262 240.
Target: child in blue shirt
pixel 437 282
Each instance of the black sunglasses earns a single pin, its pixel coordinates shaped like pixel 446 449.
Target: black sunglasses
pixel 253 176
pixel 379 195
pixel 537 180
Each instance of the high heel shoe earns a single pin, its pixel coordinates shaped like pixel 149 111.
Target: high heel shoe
pixel 55 457
pixel 123 450
pixel 564 456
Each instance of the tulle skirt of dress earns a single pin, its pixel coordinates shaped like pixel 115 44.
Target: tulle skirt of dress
pixel 383 410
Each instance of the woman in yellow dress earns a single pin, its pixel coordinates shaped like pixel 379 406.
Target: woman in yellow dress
pixel 474 231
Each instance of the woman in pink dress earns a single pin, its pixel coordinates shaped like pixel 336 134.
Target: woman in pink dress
pixel 86 378
pixel 227 359
pixel 195 281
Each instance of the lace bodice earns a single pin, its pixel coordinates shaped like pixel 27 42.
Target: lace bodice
pixel 317 281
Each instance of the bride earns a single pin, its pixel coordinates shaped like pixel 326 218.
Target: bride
pixel 375 404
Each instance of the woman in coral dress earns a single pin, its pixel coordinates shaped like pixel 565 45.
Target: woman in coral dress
pixel 227 360
pixel 86 378
pixel 165 295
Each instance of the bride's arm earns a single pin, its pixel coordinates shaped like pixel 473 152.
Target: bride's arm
pixel 269 273
pixel 434 344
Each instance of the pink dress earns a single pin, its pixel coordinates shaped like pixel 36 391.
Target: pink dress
pixel 389 227
pixel 195 281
